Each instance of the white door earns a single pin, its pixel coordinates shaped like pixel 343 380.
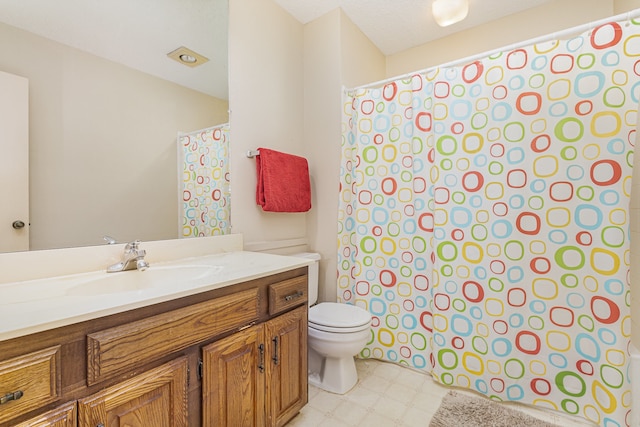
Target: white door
pixel 14 163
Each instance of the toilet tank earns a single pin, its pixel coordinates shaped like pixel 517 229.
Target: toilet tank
pixel 313 274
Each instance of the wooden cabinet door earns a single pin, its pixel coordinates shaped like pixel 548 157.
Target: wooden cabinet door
pixel 62 416
pixel 287 392
pixel 233 380
pixel 155 398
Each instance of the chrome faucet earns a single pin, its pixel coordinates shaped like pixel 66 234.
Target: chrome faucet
pixel 133 257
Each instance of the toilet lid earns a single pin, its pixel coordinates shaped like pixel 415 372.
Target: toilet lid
pixel 336 315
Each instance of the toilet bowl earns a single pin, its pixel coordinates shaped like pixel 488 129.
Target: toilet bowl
pixel 336 333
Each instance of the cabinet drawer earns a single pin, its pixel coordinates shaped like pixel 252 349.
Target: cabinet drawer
pixel 33 379
pixel 62 416
pixel 121 349
pixel 287 294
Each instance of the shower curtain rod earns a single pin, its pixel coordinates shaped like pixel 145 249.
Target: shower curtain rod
pixel 569 31
pixel 181 133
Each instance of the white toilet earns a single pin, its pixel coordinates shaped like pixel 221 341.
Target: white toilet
pixel 337 332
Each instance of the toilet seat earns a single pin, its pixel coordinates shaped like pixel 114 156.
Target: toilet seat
pixel 338 318
pixel 337 330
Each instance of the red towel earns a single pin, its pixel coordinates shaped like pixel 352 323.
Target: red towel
pixel 283 182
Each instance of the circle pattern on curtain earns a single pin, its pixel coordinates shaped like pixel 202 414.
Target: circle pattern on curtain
pixel 484 221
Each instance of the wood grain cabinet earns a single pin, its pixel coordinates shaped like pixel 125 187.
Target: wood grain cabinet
pixel 29 381
pixel 155 398
pixel 257 377
pixel 232 356
pixel 62 416
pixel 233 380
pixel 286 366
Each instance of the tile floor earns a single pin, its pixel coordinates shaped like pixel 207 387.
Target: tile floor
pixel 388 395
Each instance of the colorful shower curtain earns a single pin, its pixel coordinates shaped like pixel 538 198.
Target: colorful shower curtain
pixel 204 184
pixel 386 219
pixel 484 221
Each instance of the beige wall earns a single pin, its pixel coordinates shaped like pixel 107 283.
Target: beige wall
pixel 276 66
pixel 267 97
pixel 622 6
pixel 361 61
pixel 322 137
pixel 336 53
pixel 103 154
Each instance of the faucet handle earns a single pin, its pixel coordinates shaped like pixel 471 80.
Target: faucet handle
pixel 110 240
pixel 142 264
pixel 132 246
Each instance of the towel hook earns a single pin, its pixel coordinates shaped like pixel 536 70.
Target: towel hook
pixel 253 153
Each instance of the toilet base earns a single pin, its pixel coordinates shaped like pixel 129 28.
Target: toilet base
pixel 336 375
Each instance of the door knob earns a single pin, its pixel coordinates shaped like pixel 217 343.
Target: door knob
pixel 18 224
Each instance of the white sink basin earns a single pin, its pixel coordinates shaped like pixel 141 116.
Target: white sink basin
pixel 155 278
pixel 160 276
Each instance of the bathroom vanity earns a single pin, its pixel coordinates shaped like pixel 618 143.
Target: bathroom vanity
pixel 225 347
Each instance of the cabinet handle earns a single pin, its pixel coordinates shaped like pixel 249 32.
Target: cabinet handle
pixel 295 295
pixel 199 371
pixel 275 350
pixel 100 425
pixel 11 396
pixel 261 363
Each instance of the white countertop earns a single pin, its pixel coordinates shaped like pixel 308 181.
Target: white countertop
pixel 37 305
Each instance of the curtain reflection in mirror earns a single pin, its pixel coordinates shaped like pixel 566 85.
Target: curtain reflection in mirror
pixel 204 182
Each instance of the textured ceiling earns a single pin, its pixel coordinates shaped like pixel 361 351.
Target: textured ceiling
pixel 397 25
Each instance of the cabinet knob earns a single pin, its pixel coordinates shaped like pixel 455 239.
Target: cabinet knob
pixel 18 224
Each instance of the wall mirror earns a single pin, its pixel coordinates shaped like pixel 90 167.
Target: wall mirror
pixel 106 104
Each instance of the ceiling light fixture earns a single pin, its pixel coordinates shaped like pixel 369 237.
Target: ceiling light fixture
pixel 187 57
pixel 448 12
